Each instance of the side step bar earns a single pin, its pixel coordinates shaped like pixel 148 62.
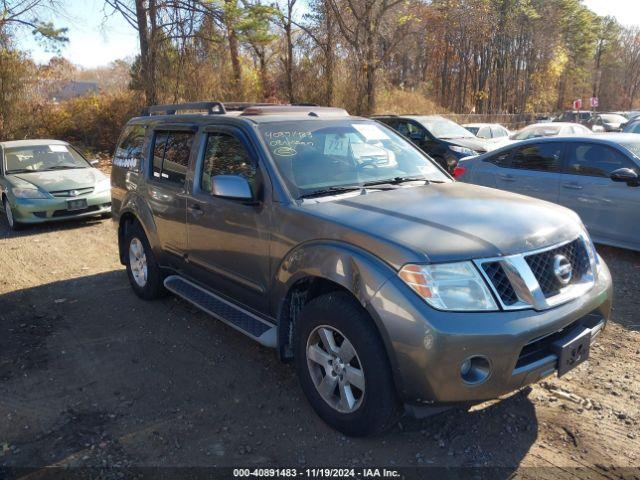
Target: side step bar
pixel 246 322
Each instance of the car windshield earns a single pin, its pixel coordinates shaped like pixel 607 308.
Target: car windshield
pixel 537 131
pixel 442 128
pixel 316 156
pixel 611 118
pixel 38 158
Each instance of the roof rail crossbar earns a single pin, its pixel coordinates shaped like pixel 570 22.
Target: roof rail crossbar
pixel 173 108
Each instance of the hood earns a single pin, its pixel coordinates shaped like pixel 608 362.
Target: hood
pixel 477 144
pixel 55 180
pixel 447 222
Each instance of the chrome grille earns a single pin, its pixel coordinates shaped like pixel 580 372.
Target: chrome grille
pixel 541 265
pixel 74 192
pixel 528 280
pixel 500 282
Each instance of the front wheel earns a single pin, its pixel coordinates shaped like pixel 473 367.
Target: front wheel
pixel 11 221
pixel 343 368
pixel 143 271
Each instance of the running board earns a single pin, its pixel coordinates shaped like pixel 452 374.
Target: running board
pixel 246 322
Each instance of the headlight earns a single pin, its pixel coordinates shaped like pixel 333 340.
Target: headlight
pixel 463 150
pixel 27 193
pixel 449 286
pixel 102 186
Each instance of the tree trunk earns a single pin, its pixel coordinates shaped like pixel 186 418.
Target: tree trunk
pixel 147 65
pixel 234 50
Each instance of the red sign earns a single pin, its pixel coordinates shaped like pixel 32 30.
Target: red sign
pixel 577 104
pixel 594 102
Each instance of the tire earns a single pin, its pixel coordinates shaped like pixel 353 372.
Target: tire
pixel 13 224
pixel 143 271
pixel 371 407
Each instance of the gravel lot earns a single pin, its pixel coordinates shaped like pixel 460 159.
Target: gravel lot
pixel 90 375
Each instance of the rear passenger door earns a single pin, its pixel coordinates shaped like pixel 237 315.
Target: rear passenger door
pixel 229 238
pixel 610 210
pixel 170 153
pixel 534 170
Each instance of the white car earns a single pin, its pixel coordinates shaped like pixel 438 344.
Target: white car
pixel 551 129
pixel 487 130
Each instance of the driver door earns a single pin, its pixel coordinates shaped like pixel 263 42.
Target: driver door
pixel 608 209
pixel 228 239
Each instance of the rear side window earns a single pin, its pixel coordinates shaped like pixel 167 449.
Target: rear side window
pixel 171 152
pixel 225 155
pixel 544 157
pixel 130 152
pixel 501 159
pixel 595 160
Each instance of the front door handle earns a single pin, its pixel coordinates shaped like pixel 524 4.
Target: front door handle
pixel 506 177
pixel 195 209
pixel 572 186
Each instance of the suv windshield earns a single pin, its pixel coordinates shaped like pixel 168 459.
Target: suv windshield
pixel 442 128
pixel 39 158
pixel 321 155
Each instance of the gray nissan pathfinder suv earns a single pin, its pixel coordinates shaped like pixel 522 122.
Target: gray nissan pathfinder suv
pixel 336 241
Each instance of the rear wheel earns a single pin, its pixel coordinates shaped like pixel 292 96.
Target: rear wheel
pixel 144 273
pixel 343 367
pixel 13 225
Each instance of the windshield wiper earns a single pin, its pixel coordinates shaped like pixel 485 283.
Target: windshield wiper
pixel 63 167
pixel 395 181
pixel 329 191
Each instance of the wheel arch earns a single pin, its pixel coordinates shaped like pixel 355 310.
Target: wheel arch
pixel 136 211
pixel 317 268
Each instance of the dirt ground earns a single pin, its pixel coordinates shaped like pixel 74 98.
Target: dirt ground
pixel 90 375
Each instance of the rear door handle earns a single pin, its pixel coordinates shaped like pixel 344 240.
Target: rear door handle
pixel 572 186
pixel 506 177
pixel 195 209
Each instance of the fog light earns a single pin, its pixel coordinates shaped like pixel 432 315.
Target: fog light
pixel 475 370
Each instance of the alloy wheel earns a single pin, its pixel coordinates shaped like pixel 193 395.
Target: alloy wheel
pixel 138 262
pixel 335 369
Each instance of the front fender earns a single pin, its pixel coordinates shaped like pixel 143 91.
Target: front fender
pixel 356 270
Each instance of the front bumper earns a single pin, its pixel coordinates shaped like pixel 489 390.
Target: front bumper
pixel 427 347
pixel 40 210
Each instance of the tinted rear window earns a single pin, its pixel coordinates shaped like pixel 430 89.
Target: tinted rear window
pixel 543 157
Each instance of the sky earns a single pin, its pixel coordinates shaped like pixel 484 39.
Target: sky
pixel 98 36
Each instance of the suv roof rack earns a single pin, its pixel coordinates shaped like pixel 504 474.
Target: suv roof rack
pixel 311 110
pixel 211 108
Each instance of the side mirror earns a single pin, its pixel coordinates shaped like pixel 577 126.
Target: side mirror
pixel 94 163
pixel 231 186
pixel 625 175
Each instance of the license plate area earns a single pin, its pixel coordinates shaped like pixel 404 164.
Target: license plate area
pixel 572 350
pixel 73 205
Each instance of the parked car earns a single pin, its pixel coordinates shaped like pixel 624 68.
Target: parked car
pixel 552 129
pixel 632 126
pixel 596 176
pixel 443 140
pixel 487 130
pixel 574 116
pixel 386 282
pixel 606 122
pixel 48 180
